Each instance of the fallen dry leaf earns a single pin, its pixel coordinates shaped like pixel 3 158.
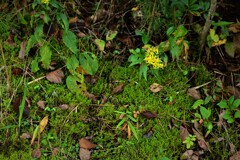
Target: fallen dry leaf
pixel 43 124
pixel 55 76
pixel 16 104
pixel 25 136
pixel 232 147
pixel 235 156
pixel 118 89
pixel 90 96
pixel 84 143
pixel 234 91
pixel 149 114
pixel 36 153
pixel 84 154
pixel 201 141
pixel 192 92
pixel 41 104
pixel 104 99
pixel 63 106
pixel 183 133
pixel 155 87
pixel 21 53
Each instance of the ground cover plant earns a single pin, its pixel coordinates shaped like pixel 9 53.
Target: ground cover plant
pixel 119 79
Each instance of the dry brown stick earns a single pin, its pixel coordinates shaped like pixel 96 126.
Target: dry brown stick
pixel 207 24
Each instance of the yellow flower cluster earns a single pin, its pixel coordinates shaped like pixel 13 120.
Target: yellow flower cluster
pixel 152 57
pixel 45 1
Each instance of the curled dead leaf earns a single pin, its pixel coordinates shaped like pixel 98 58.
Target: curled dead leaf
pixel 16 104
pixel 41 104
pixel 55 76
pixel 192 92
pixel 84 143
pixel 155 87
pixel 36 153
pixel 183 133
pixel 118 89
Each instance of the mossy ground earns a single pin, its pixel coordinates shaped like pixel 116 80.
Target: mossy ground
pixel 83 119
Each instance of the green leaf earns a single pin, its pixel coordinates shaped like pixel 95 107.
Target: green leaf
pixel 63 20
pixel 221 23
pixel 22 105
pixel 100 44
pixel 223 104
pixel 197 103
pixel 72 63
pixel 205 112
pixel 70 40
pixel 145 38
pixel 39 33
pixel 121 122
pixel 133 130
pixel 237 114
pixel 111 35
pixel 235 104
pixel 143 71
pixel 180 32
pixel 132 119
pixel 30 44
pixel 213 35
pixel 230 101
pixel 46 54
pixel 34 65
pixel 230 49
pixel 89 62
pixel 207 100
pixel 170 30
pixel 135 59
pixel 176 51
pixel 72 83
pixel 197 115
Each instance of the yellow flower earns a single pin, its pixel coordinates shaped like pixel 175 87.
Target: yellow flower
pixel 45 1
pixel 152 57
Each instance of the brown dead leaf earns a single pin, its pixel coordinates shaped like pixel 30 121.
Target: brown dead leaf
pixel 90 96
pixel 55 151
pixel 192 92
pixel 55 76
pixel 16 71
pixel 234 91
pixel 36 153
pixel 73 20
pixel 149 114
pixel 63 106
pixel 189 155
pixel 118 89
pixel 84 154
pixel 235 28
pixel 90 79
pixel 25 136
pixel 155 88
pixel 104 99
pixel 16 104
pixel 201 141
pixel 232 147
pixel 183 133
pixel 235 156
pixel 43 124
pixel 21 53
pixel 41 104
pixel 84 143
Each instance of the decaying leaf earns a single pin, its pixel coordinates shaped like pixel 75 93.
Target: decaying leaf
pixel 90 96
pixel 183 133
pixel 43 124
pixel 189 155
pixel 55 76
pixel 25 136
pixel 104 99
pixel 41 104
pixel 192 92
pixel 235 156
pixel 149 114
pixel 118 89
pixel 201 141
pixel 21 53
pixel 86 144
pixel 17 102
pixel 63 106
pixel 155 88
pixel 100 44
pixel 36 153
pixel 84 154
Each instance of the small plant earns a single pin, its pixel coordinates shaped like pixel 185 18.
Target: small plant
pixel 126 121
pixel 204 114
pixel 189 141
pixel 231 109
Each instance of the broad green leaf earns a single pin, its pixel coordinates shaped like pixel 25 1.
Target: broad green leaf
pixel 39 33
pixel 197 103
pixel 145 38
pixel 89 62
pixel 176 51
pixel 207 99
pixel 46 54
pixel 133 130
pixel 72 84
pixel 111 35
pixel 205 112
pixel 197 115
pixel 100 44
pixel 135 59
pixel 230 101
pixel 170 30
pixel 237 114
pixel 227 116
pixel 143 71
pixel 72 63
pixel 213 35
pixel 223 104
pixel 235 104
pixel 180 32
pixel 70 40
pixel 34 65
pixel 30 44
pixel 63 20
